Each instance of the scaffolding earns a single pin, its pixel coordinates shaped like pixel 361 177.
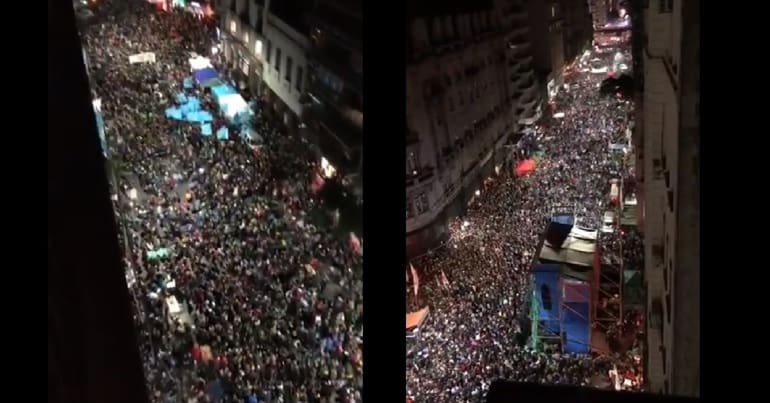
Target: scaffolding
pixel 561 299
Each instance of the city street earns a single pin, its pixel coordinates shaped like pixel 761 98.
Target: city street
pixel 476 313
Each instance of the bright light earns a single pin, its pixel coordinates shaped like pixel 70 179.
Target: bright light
pixel 132 194
pixel 478 193
pixel 258 47
pixel 327 169
pixel 466 224
pixel 558 115
pixel 201 171
pixel 233 27
pixel 214 50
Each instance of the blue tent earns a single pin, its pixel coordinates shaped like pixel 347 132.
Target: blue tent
pixel 223 133
pixel 221 90
pixel 207 77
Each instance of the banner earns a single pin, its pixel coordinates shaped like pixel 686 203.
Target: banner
pixel 146 57
pixel 415 279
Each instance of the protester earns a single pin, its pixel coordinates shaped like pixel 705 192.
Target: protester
pixel 267 306
pixel 478 285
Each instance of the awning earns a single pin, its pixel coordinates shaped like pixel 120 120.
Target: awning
pixel 207 77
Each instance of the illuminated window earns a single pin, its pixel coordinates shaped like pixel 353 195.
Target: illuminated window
pixel 233 27
pixel 258 48
pixel 246 37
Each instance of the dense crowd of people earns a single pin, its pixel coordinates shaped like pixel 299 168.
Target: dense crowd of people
pixel 250 300
pixel 478 285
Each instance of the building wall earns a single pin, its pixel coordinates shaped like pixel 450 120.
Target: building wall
pixel 242 40
pixel 292 45
pixel 461 110
pixel 671 198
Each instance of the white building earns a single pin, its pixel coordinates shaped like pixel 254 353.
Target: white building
pixel 285 64
pixel 268 51
pixel 469 83
pixel 667 139
pixel 242 40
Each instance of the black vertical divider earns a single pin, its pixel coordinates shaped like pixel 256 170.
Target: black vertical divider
pixel 93 354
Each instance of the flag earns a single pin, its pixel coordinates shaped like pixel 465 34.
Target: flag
pixel 444 280
pixel 415 279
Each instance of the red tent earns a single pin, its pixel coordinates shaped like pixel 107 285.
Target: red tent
pixel 525 167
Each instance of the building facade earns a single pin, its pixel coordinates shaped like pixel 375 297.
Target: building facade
pixel 470 82
pixel 578 28
pixel 242 41
pixel 667 142
pixel 334 102
pixel 546 33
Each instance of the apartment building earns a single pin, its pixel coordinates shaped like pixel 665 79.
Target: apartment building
pixel 470 82
pixel 546 33
pixel 242 41
pixel 334 102
pixel 666 138
pixel 578 28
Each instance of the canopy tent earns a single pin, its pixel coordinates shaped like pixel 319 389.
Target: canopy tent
pixel 199 63
pixel 568 256
pixel 525 167
pixel 207 77
pixel 416 319
pixel 221 90
pixel 232 105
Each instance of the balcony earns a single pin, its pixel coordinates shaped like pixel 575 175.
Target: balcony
pixel 518 82
pixel 530 88
pixel 515 64
pixel 524 79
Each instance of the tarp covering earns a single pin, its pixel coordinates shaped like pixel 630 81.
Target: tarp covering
pixel 548 298
pixel 221 90
pixel 584 234
pixel 525 167
pixel 232 105
pixel 567 256
pixel 576 328
pixel 416 319
pixel 207 77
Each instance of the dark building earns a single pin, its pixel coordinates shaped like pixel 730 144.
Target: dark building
pixel 578 28
pixel 547 34
pixel 334 96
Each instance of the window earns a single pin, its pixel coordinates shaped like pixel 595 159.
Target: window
pixel 298 81
pixel 665 6
pixel 258 47
pixel 288 69
pixel 246 37
pixel 269 51
pixel 233 27
pixel 553 14
pixel 409 209
pixel 545 297
pixel 278 60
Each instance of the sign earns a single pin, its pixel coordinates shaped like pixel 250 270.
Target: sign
pixel 147 57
